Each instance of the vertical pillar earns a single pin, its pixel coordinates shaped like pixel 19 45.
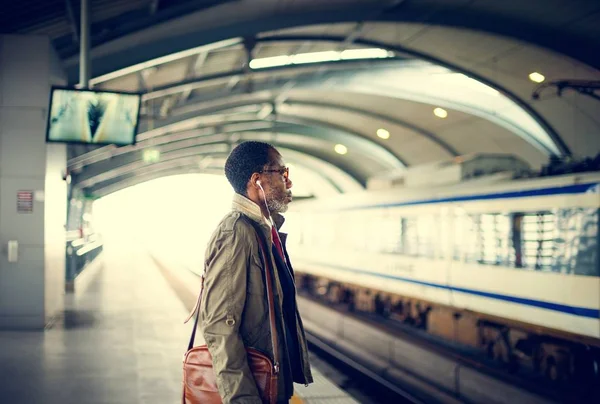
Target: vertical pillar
pixel 32 284
pixel 84 45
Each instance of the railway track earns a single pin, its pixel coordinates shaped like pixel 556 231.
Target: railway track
pixel 424 365
pixel 358 381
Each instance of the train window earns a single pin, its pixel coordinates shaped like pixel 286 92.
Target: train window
pixel 564 240
pixel 427 236
pixel 494 239
pixel 382 233
pixel 352 230
pixel 459 235
pixel 375 234
pixel 411 236
pixel 503 226
pixel 445 234
pixel 401 236
pixel 516 258
pixel 576 241
pixel 537 240
pixel 391 241
pixel 482 238
pixel 471 243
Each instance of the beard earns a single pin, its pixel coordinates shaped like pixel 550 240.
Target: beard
pixel 277 202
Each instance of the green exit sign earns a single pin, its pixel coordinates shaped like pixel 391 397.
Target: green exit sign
pixel 151 155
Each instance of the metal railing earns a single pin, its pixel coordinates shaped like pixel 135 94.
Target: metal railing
pixel 81 252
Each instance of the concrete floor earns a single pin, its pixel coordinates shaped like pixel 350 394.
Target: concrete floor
pixel 120 341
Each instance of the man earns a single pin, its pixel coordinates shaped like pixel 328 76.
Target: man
pixel 234 311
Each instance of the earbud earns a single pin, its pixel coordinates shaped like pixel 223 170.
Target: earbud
pixel 264 197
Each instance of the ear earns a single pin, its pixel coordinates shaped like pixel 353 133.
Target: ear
pixel 253 179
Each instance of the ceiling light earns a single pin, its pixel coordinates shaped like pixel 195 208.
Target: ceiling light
pixel 371 53
pixel 382 133
pixel 315 57
pixel 536 77
pixel 320 57
pixel 270 62
pixel 340 149
pixel 440 112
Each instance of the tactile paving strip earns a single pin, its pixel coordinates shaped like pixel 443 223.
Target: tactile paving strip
pixel 323 391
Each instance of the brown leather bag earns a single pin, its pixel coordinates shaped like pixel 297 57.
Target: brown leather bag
pixel 199 380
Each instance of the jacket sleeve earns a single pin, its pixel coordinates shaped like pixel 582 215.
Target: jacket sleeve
pixel 223 303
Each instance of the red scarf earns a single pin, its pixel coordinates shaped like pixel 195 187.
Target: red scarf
pixel 277 243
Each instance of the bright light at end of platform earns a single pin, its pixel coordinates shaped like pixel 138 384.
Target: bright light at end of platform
pixel 382 133
pixel 340 149
pixel 440 112
pixel 536 77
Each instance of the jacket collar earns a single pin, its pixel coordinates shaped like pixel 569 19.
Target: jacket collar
pixel 252 210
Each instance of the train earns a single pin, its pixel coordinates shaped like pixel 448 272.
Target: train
pixel 473 251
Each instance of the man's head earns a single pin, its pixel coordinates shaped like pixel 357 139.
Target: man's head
pixel 252 162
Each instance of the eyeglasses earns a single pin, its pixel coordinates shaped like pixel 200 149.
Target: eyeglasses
pixel 285 171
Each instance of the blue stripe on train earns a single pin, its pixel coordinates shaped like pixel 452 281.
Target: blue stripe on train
pixel 576 311
pixel 569 189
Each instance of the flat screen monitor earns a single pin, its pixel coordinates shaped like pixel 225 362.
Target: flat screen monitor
pixel 93 116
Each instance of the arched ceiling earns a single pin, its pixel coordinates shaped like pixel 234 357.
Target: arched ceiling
pixel 190 59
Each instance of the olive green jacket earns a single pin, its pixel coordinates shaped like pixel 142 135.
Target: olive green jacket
pixel 234 311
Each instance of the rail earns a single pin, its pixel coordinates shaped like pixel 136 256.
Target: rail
pixel 426 374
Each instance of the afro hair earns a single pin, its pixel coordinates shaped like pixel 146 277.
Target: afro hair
pixel 243 161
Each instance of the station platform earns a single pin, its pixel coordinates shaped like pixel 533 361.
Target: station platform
pixel 121 340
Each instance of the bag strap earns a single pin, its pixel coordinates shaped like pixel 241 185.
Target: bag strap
pixel 270 298
pixel 196 311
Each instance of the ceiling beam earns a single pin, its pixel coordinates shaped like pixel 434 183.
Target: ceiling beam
pixel 199 154
pixel 225 103
pixel 191 161
pixel 73 23
pixel 559 142
pixel 337 65
pixel 190 152
pixel 549 146
pixel 154 6
pixel 320 124
pixel 301 126
pixel 129 182
pixel 111 56
pixel 382 117
pixel 160 166
pixel 213 134
pixel 196 64
pixel 379 44
pixel 165 59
